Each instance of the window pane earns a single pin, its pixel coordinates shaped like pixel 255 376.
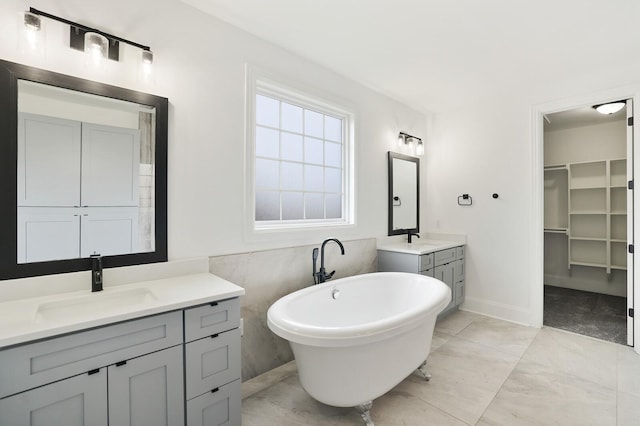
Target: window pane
pixel 313 178
pixel 267 111
pixel 313 151
pixel 333 154
pixel 314 206
pixel 267 174
pixel 292 206
pixel 334 206
pixel 291 118
pixel 291 146
pixel 332 129
pixel 313 123
pixel 267 144
pixel 291 176
pixel 267 205
pixel 333 180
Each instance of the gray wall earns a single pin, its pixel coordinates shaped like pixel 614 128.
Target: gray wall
pixel 268 275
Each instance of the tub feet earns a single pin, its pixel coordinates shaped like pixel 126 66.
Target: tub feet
pixel 363 409
pixel 423 371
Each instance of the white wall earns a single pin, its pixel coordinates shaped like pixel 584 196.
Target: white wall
pixel 492 147
pixel 200 66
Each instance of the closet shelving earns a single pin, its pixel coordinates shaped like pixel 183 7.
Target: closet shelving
pixel 587 202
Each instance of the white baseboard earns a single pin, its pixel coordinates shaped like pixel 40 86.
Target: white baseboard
pixel 497 310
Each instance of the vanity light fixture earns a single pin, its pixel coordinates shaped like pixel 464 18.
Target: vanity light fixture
pixel 610 108
pixel 94 42
pixel 407 139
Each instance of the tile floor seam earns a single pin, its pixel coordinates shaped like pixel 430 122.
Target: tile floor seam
pixel 505 381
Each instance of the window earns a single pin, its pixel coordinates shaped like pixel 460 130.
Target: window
pixel 301 157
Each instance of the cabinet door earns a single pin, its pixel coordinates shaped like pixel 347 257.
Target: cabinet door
pixel 48 161
pixel 109 230
pixel 458 270
pixel 148 391
pixel 459 292
pixel 77 401
pixel 220 407
pixel 48 233
pixel 445 274
pixel 110 165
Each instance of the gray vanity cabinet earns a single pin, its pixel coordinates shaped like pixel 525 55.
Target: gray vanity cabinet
pixel 146 371
pixel 446 265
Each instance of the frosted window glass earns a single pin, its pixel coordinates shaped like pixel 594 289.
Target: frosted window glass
pixel 267 111
pixel 313 123
pixel 313 151
pixel 332 154
pixel 332 129
pixel 291 118
pixel 291 176
pixel 314 206
pixel 332 180
pixel 267 174
pixel 267 143
pixel 292 206
pixel 334 206
pixel 313 178
pixel 291 146
pixel 267 205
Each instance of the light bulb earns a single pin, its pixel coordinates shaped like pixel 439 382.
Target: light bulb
pixel 96 47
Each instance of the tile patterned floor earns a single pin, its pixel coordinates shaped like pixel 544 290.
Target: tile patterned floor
pixel 484 372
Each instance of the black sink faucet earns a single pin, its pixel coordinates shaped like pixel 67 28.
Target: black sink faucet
pixel 96 272
pixel 410 234
pixel 322 276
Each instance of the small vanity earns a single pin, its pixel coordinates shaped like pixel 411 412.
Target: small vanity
pixel 443 260
pixel 164 351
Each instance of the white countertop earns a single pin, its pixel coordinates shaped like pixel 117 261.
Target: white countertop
pixel 27 319
pixel 418 246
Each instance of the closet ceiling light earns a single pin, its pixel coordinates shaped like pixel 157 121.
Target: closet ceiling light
pixel 610 108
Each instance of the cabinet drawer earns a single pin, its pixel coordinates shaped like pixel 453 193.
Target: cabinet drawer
pixel 426 261
pixel 445 256
pixel 222 407
pixel 460 252
pixel 212 362
pixel 49 360
pixel 211 319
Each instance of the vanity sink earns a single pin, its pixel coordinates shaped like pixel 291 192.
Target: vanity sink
pixel 93 304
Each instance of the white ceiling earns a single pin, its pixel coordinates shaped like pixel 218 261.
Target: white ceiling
pixel 437 54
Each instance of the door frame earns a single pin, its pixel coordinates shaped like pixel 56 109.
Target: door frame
pixel 536 233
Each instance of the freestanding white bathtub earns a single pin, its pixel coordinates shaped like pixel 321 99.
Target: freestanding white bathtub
pixel 356 338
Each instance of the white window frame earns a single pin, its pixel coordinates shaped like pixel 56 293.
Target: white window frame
pixel 258 83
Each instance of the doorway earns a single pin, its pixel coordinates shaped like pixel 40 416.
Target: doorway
pixel 588 222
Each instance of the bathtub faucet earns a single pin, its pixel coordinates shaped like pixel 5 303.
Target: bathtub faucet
pixel 322 276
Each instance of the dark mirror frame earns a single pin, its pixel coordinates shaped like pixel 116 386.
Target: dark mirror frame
pixel 10 73
pixel 416 160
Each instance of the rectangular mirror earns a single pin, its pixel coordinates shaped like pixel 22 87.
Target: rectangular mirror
pixel 404 194
pixel 84 172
